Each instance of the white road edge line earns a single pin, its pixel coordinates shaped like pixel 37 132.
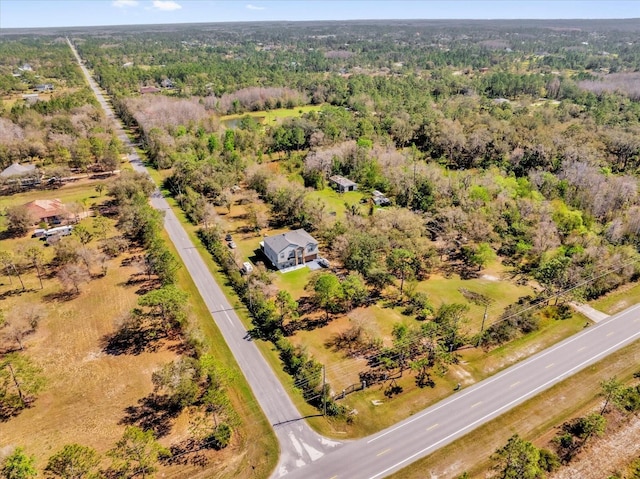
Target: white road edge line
pixel 499 376
pixel 529 394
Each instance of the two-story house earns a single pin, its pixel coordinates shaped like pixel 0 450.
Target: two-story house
pixel 290 249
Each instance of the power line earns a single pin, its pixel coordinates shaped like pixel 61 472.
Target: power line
pixel 416 338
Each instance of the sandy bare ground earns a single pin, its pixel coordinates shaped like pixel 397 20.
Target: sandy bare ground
pixel 607 455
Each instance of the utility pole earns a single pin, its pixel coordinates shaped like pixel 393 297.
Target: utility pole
pixel 484 318
pixel 324 394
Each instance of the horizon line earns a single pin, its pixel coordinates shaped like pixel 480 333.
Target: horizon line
pixel 4 29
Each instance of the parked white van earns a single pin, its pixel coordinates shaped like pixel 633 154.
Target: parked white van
pixel 59 230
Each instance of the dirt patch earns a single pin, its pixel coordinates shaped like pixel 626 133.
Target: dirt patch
pixel 490 277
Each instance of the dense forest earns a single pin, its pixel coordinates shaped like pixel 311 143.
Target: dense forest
pixel 516 142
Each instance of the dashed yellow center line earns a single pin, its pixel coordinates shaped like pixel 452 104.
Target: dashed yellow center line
pixel 515 384
pixel 383 452
pixel 432 427
pixel 333 477
pixel 476 404
pixel 549 366
pixel 582 349
pixel 610 333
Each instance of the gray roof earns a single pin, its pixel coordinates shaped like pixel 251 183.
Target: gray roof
pixel 17 170
pixel 342 181
pixel 296 237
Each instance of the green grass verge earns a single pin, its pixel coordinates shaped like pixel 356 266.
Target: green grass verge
pixel 260 443
pixel 533 420
pixel 618 300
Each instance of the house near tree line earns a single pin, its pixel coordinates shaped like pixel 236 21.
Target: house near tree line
pixel 149 89
pixel 342 184
pixel 50 211
pixel 379 199
pixel 30 98
pixel 16 169
pixel 24 175
pixel 44 87
pixel 290 249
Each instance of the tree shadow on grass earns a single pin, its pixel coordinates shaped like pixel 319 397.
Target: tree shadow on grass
pixel 14 292
pixel 144 283
pixel 132 339
pixel 60 296
pixel 11 409
pixel 153 413
pixel 187 452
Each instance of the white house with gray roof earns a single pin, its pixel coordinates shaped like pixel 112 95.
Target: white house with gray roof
pixel 290 249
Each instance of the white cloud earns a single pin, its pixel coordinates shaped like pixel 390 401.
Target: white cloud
pixel 254 7
pixel 166 5
pixel 124 3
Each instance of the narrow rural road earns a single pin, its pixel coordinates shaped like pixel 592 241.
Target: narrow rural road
pixel 306 455
pixel 299 444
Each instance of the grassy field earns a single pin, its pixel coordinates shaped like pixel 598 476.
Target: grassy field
pixel 502 293
pixel 74 192
pixel 618 300
pixel 271 116
pixel 336 202
pixel 88 389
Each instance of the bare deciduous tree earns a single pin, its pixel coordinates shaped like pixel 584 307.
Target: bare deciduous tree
pixel 72 276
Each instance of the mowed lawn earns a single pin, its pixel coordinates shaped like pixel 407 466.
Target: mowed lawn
pixel 337 202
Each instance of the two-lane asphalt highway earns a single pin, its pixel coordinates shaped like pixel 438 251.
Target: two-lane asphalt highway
pixel 306 455
pixel 299 445
pixel 396 447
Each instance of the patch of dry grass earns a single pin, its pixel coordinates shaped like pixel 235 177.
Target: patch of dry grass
pixel 88 390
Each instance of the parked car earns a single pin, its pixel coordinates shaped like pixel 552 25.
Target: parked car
pixel 231 245
pixel 323 262
pixel 228 237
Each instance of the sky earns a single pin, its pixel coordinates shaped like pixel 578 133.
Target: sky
pixel 62 13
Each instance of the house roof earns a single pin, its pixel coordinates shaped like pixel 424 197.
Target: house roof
pixel 342 181
pixel 17 169
pixel 46 208
pixel 296 237
pixel 149 89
